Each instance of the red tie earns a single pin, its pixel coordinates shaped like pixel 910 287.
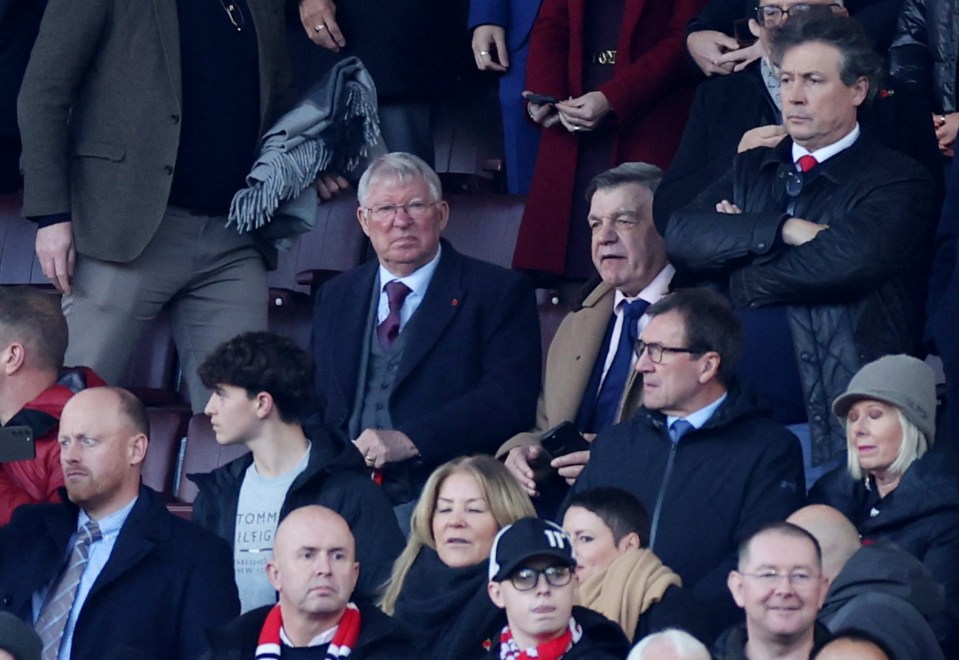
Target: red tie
pixel 807 162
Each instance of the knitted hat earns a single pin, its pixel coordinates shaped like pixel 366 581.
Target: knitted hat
pixel 18 639
pixel 525 539
pixel 900 380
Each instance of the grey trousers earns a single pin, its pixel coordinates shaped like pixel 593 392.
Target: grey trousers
pixel 212 280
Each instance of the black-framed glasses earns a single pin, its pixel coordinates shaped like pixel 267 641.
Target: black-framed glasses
pixel 527 578
pixel 386 212
pixel 656 351
pixel 234 13
pixel 770 578
pixel 773 15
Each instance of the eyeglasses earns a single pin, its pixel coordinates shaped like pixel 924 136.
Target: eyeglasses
pixel 772 15
pixel 234 13
pixel 656 351
pixel 386 212
pixel 527 578
pixel 769 579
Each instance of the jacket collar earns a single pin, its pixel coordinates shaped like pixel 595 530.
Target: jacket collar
pixel 840 169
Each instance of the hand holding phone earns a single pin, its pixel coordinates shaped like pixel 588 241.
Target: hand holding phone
pixel 540 99
pixel 563 439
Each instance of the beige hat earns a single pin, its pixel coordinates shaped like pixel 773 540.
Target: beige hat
pixel 900 380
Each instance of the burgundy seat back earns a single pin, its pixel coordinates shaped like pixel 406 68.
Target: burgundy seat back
pixel 203 454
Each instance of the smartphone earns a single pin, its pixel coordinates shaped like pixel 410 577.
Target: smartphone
pixel 563 439
pixel 16 444
pixel 541 99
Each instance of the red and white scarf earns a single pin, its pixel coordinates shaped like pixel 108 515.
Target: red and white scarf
pixel 552 650
pixel 344 639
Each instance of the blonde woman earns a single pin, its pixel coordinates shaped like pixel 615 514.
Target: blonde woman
pixel 438 587
pixel 894 488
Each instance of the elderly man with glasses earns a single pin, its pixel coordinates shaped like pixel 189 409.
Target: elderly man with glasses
pixel 422 354
pixel 700 454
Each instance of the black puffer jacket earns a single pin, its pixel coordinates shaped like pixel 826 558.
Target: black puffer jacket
pixel 704 494
pixel 852 291
pixel 921 516
pixel 926 49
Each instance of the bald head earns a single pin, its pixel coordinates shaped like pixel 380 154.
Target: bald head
pixel 103 441
pixel 837 536
pixel 314 569
pixel 314 520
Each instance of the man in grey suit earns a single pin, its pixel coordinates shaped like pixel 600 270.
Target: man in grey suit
pixel 139 123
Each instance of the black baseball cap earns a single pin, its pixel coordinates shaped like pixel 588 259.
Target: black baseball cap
pixel 524 539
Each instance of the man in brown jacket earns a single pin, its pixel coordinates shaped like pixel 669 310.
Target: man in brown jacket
pixel 589 375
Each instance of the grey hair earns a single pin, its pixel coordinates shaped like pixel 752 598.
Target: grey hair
pixel 641 174
pixel 682 644
pixel 398 167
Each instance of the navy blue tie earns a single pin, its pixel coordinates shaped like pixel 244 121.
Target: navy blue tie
pixel 611 391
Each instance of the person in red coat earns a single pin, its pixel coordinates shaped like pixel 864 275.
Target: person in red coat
pixel 624 86
pixel 33 338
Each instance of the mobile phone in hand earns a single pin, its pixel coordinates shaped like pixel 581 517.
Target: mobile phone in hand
pixel 541 99
pixel 563 439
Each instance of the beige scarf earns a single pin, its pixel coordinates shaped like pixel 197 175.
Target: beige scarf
pixel 630 586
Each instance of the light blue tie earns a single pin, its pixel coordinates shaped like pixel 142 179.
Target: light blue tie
pixel 679 428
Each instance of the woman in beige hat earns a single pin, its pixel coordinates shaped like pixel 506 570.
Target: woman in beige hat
pixel 893 487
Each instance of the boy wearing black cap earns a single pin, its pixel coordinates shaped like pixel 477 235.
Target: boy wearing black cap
pixel 531 577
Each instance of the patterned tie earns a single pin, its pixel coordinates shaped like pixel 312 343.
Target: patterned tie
pixel 611 391
pixel 53 616
pixel 389 329
pixel 679 428
pixel 807 162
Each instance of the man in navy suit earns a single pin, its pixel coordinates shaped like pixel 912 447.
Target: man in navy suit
pixel 424 354
pixel 111 570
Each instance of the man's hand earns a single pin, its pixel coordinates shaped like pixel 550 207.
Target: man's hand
pixel 584 113
pixel 761 136
pixel 708 49
pixel 520 460
pixel 797 231
pixel 489 48
pixel 741 57
pixel 947 126
pixel 381 446
pixel 56 254
pixel 726 206
pixel 571 465
pixel 543 114
pixel 319 22
pixel 330 183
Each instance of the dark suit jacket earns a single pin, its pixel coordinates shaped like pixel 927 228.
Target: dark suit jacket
pixel 470 371
pixel 100 115
pixel 167 580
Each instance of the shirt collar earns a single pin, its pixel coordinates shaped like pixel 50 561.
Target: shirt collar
pixel 653 291
pixel 821 155
pixel 324 637
pixel 701 416
pixel 418 280
pixel 109 524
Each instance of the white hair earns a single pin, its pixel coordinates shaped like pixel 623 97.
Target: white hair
pixel 682 645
